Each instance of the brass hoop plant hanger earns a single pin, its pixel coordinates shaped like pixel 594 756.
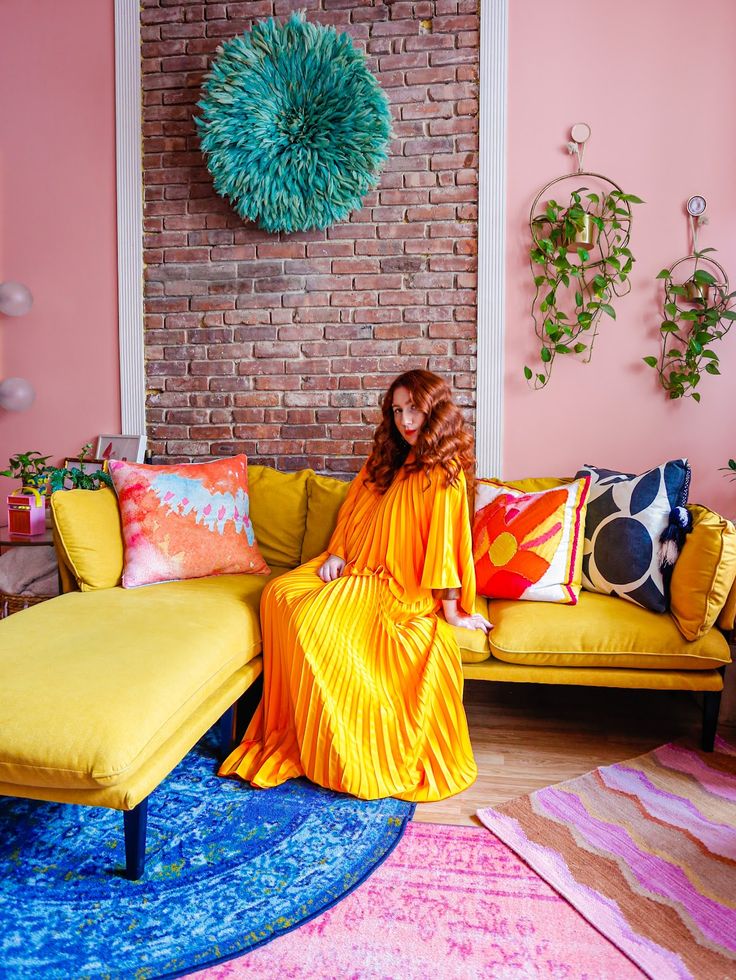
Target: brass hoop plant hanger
pixel 696 313
pixel 571 296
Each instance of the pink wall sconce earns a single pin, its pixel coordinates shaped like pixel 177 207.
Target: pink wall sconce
pixel 16 394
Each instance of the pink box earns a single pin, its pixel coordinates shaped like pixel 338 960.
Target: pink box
pixel 26 513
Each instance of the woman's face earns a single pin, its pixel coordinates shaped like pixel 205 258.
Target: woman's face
pixel 409 420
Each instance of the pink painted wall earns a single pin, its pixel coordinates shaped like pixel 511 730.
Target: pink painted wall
pixel 653 81
pixel 57 222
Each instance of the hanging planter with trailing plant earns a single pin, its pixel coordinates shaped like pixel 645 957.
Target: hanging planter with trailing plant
pixel 580 260
pixel 696 314
pixel 294 127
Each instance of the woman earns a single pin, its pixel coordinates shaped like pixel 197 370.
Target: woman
pixel 362 678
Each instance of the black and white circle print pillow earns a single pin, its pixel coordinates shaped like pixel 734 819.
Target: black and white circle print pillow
pixel 624 521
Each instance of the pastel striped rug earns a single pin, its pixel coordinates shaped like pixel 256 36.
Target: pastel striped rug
pixel 646 851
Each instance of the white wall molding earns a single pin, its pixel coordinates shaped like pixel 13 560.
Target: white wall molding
pixel 130 215
pixel 491 236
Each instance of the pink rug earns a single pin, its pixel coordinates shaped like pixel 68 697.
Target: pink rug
pixel 450 902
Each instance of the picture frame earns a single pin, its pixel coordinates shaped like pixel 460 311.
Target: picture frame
pixel 126 447
pixel 86 465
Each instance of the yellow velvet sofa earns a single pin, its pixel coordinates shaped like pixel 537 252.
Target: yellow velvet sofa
pixel 105 689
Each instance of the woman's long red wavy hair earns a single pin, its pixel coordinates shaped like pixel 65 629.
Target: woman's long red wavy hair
pixel 443 440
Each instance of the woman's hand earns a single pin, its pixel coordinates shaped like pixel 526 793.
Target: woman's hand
pixel 331 569
pixel 455 617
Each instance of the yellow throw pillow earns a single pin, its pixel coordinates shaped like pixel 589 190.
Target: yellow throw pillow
pixel 325 496
pixel 278 510
pixel 704 573
pixel 90 535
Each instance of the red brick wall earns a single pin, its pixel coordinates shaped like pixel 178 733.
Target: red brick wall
pixel 280 345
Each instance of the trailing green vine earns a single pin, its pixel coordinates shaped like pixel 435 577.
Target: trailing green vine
pixel 576 284
pixel 697 313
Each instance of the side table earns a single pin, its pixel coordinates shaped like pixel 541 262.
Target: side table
pixel 14 603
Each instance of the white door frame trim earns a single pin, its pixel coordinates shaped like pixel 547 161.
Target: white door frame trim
pixel 129 179
pixel 491 237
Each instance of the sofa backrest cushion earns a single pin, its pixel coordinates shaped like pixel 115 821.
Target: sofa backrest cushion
pixel 704 573
pixel 325 496
pixel 89 534
pixel 278 510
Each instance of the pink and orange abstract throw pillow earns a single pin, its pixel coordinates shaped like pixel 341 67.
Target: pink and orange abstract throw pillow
pixel 185 521
pixel 529 545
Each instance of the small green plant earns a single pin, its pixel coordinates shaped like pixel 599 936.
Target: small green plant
pixel 730 469
pixel 77 477
pixel 30 468
pixel 697 313
pixel 575 284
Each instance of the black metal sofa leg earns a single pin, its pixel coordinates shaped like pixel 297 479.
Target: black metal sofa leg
pixel 135 822
pixel 711 707
pixel 226 732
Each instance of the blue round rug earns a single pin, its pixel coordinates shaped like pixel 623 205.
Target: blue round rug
pixel 227 869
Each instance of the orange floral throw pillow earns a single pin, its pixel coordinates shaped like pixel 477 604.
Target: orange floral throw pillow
pixel 185 521
pixel 529 545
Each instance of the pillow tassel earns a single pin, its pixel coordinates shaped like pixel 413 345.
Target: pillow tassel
pixel 672 539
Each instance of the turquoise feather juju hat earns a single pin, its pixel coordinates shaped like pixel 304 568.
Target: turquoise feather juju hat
pixel 294 127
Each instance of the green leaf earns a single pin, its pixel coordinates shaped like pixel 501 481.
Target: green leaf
pixel 670 310
pixel 711 368
pixel 583 255
pixel 578 298
pixel 541 378
pixel 651 361
pixel 668 326
pixel 728 315
pixel 579 348
pixel 562 349
pixel 696 396
pixel 700 276
pixel 631 198
pixel 545 355
pixel 607 308
pixel 538 280
pixel 527 373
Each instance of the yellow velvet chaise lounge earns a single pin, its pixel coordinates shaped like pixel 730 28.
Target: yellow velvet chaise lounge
pixel 105 689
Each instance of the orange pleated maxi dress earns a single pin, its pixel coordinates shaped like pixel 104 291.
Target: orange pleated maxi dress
pixel 362 679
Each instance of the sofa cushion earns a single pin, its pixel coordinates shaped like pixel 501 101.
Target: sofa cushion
pixel 704 573
pixel 473 644
pixel 88 532
pixel 278 509
pixel 601 631
pixel 625 518
pixel 325 496
pixel 94 684
pixel 528 545
pixel 186 520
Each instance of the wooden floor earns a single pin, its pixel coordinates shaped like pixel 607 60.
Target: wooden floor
pixel 526 736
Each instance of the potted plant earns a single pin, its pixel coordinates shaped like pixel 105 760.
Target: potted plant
pixel 696 314
pixel 80 473
pixel 27 504
pixel 580 260
pixel 30 469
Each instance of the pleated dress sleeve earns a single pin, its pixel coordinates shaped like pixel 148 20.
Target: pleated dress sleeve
pixel 337 544
pixel 448 560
